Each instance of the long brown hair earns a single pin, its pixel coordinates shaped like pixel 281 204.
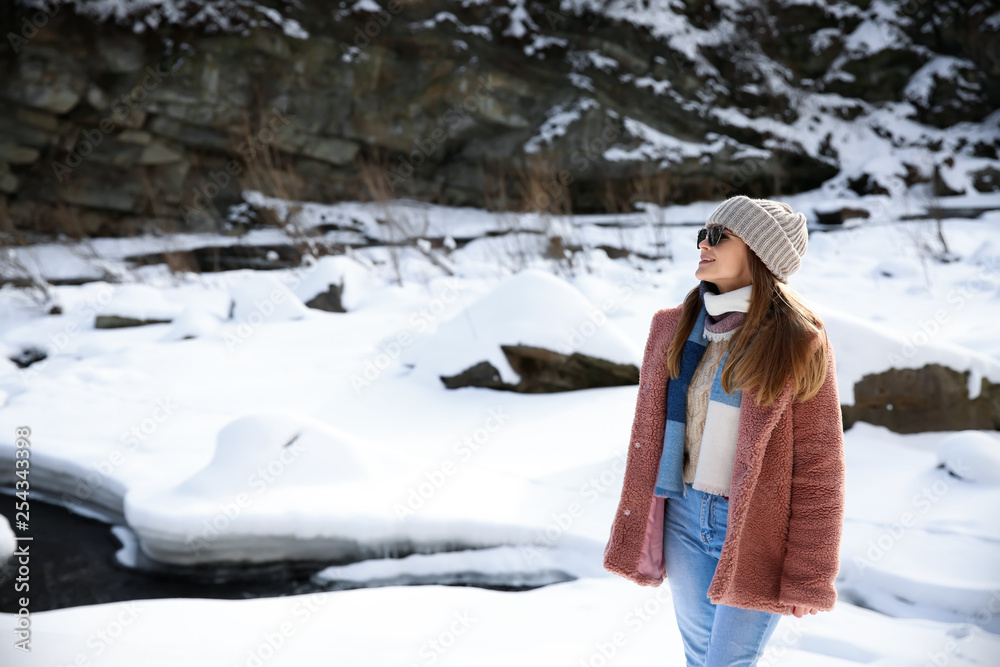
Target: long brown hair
pixel 774 341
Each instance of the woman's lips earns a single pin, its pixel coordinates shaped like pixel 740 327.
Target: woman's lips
pixel 705 261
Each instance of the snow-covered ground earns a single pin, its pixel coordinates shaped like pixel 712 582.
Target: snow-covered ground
pixel 251 426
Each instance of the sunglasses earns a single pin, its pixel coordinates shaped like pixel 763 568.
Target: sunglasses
pixel 713 233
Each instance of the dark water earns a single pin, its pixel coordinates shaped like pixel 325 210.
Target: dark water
pixel 72 563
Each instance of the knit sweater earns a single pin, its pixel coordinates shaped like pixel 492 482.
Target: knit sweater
pixel 702 416
pixel 697 405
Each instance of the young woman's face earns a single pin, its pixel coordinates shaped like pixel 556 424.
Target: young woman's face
pixel 724 264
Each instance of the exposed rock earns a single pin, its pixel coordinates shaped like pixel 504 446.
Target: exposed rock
pixel 122 53
pixel 45 78
pixel 227 258
pixel 8 181
pixel 931 398
pixel 443 104
pixel 13 154
pixel 329 300
pixel 840 215
pixel 544 371
pixel 986 179
pixel 956 211
pixel 117 322
pixel 880 77
pixel 483 374
pixel 28 356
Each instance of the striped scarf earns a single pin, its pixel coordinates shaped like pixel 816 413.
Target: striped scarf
pixel 719 316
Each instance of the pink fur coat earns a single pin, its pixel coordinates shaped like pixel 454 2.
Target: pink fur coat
pixel 786 506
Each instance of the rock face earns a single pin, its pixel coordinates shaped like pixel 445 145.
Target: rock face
pixel 932 398
pixel 110 128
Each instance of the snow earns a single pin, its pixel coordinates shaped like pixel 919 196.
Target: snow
pixel 557 121
pixel 656 145
pixel 532 307
pixel 881 140
pixel 441 17
pixel 260 297
pixel 505 563
pixel 7 540
pixel 947 68
pixel 521 22
pixel 869 38
pixel 314 490
pixel 225 15
pixel 972 456
pixel 664 20
pixel 251 428
pixel 141 302
pixel 324 434
pixel 587 621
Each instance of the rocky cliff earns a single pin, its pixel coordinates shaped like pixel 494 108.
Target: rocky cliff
pixel 119 120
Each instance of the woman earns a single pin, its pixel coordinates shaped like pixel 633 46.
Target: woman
pixel 734 485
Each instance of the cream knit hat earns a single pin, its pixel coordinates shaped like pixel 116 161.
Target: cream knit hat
pixel 772 230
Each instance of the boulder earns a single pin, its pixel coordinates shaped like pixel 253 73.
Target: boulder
pixel 544 371
pixel 931 398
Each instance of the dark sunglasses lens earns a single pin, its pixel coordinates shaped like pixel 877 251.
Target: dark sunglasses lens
pixel 713 233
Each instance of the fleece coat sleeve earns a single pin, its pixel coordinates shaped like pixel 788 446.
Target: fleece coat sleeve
pixel 623 550
pixel 812 558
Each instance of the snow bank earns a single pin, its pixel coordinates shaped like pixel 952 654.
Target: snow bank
pixel 141 302
pixel 919 542
pixel 357 280
pixel 532 307
pixel 584 622
pixel 260 297
pixel 504 565
pixel 317 492
pixel 202 317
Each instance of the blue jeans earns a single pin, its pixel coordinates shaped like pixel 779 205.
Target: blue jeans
pixel 715 635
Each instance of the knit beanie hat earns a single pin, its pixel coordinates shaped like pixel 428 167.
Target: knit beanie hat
pixel 772 230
